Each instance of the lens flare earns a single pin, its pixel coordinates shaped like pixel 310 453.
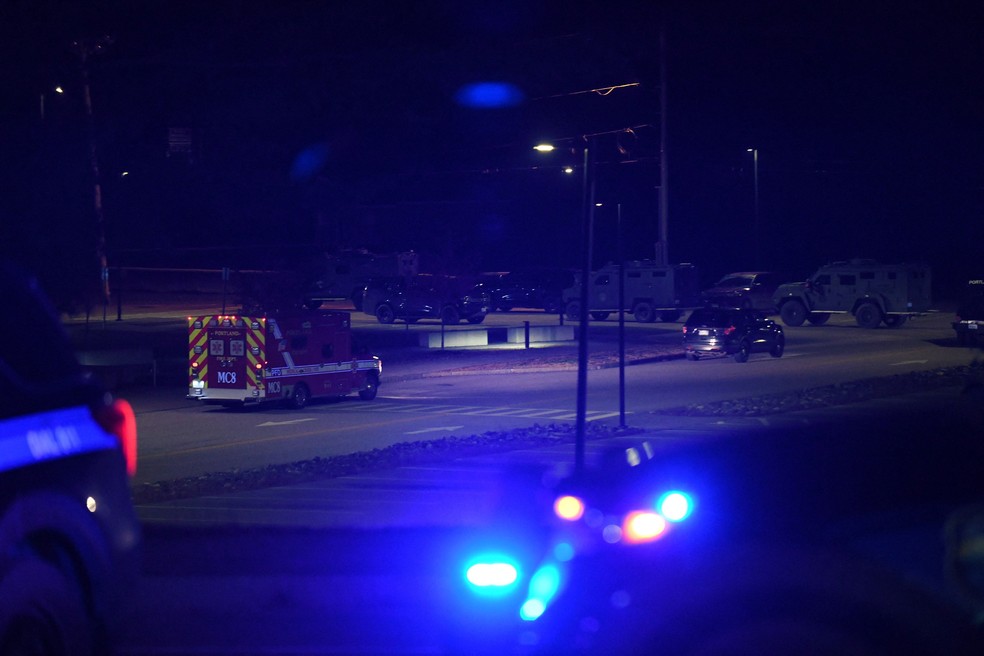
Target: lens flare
pixel 675 506
pixel 643 526
pixel 569 507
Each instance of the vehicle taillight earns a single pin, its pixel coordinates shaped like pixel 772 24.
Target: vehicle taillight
pixel 118 418
pixel 729 330
pixel 684 330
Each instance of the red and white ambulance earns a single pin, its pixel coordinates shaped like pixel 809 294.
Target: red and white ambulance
pixel 291 358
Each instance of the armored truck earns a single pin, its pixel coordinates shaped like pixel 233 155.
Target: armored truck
pixel 663 291
pixel 344 275
pixel 873 293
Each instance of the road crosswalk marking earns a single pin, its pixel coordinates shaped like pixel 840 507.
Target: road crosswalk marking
pixel 473 410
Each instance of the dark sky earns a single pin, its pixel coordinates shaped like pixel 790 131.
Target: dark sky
pixel 329 125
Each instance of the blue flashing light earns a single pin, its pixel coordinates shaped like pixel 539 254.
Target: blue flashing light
pixel 492 574
pixel 563 551
pixel 489 95
pixel 532 609
pixel 309 161
pixel 545 583
pixel 675 506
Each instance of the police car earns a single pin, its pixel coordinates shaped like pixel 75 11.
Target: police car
pixel 823 539
pixel 68 531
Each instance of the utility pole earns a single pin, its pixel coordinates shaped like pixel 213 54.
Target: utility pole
pixel 85 49
pixel 663 245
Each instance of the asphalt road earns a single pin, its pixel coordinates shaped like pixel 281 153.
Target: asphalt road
pixel 359 564
pixel 433 394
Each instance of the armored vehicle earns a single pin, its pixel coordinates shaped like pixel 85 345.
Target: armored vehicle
pixel 345 275
pixel 874 293
pixel 652 291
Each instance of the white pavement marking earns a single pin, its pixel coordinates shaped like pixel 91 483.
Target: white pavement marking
pixel 474 410
pixel 285 423
pixel 436 429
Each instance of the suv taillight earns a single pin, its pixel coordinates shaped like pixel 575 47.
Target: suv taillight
pixel 118 418
pixel 729 330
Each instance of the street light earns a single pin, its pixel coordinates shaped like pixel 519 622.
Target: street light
pixel 57 90
pixel 755 224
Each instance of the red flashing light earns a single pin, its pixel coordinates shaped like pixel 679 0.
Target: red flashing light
pixel 569 507
pixel 119 419
pixel 643 526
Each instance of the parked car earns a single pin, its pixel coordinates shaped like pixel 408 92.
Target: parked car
pixel 540 289
pixel 731 331
pixel 750 290
pixel 424 296
pixel 69 535
pixel 968 323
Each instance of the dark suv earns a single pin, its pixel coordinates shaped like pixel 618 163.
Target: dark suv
pixel 750 290
pixel 424 296
pixel 537 289
pixel 968 323
pixel 729 331
pixel 68 531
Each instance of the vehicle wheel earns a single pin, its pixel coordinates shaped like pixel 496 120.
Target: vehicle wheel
pixel 692 356
pixel 357 298
pixel 311 303
pixel 368 393
pixel 670 316
pixel 741 355
pixel 599 316
pixel 779 347
pixel 644 312
pixel 300 397
pixel 385 313
pixel 868 315
pixel 503 307
pixel 573 311
pixel 42 611
pixel 412 319
pixel 793 313
pixel 450 315
pixel 962 338
pixel 818 318
pixel 477 318
pixel 895 320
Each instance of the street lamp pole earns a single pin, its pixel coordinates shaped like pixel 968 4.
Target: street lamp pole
pixel 755 226
pixel 587 229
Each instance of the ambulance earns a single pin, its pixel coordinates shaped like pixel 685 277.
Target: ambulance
pixel 237 360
